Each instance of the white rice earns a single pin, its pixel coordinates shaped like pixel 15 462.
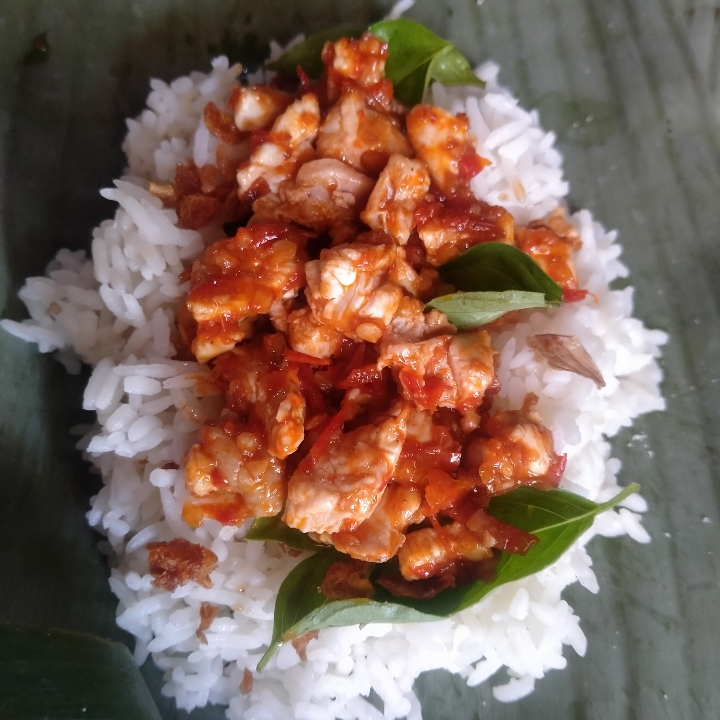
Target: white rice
pixel 115 312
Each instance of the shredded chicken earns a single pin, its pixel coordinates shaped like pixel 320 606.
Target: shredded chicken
pixel 356 135
pixel 401 186
pixel 518 450
pixel 347 289
pixel 358 64
pixel 237 279
pixel 431 551
pixel 452 371
pixel 343 482
pixel 381 535
pixel 232 460
pixel 308 335
pixel 378 412
pixel 550 251
pixel 447 229
pixel 442 141
pixel 324 193
pixel 256 107
pixel 287 146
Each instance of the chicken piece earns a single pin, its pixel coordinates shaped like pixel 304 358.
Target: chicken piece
pixel 308 335
pixel 237 279
pixel 517 450
pixel 550 251
pixel 358 63
pixel 288 145
pixel 270 391
pixel 432 551
pixel 239 373
pixel 179 561
pixel 381 535
pixel 348 289
pixel 557 221
pixel 443 371
pixel 357 135
pixel 427 446
pixel 342 481
pixel 442 141
pixel 447 229
pixel 324 193
pixel 399 189
pixel 281 406
pixel 412 324
pixel 232 459
pixel 419 284
pixel 255 107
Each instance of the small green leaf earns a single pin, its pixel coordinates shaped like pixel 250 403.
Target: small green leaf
pixel 450 67
pixel 307 53
pixel 497 267
pixel 557 518
pixel 417 56
pixel 467 310
pixel 273 528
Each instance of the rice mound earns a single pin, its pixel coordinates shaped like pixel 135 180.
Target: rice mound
pixel 115 312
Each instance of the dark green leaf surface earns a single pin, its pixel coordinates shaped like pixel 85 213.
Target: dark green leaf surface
pixel 630 89
pixel 556 518
pixel 416 57
pixel 273 528
pixel 467 310
pixel 61 675
pixel 496 266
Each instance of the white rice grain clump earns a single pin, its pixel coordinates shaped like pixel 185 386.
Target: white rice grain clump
pixel 115 312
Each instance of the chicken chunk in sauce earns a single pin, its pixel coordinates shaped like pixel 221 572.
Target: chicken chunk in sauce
pixel 402 184
pixel 324 193
pixel 287 146
pixel 348 289
pixel 517 450
pixel 360 136
pixel 233 460
pixel 237 279
pixel 342 482
pixel 452 371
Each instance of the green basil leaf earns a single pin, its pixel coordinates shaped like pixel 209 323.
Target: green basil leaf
pixel 417 56
pixel 467 310
pixel 301 607
pixel 496 266
pixel 557 518
pixel 307 53
pixel 273 528
pixel 298 596
pixel 450 67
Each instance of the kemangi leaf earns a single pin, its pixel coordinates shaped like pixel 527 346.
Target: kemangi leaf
pixel 466 310
pixel 557 518
pixel 497 267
